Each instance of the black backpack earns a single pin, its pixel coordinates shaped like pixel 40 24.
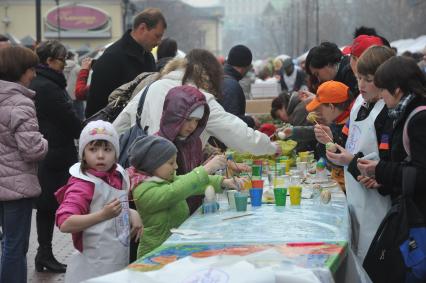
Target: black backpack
pixel 110 112
pixel 398 250
pixel 127 138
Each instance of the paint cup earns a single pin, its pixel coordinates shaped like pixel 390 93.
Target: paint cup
pixel 240 201
pixel 287 165
pixel 231 198
pixel 279 182
pixel 304 156
pixel 256 196
pixel 209 207
pixel 295 194
pixel 280 195
pixel 302 167
pixel 246 184
pixel 256 170
pixel 257 184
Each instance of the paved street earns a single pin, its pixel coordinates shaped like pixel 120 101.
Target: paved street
pixel 62 249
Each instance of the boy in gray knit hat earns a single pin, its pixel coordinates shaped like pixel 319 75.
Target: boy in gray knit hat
pixel 160 196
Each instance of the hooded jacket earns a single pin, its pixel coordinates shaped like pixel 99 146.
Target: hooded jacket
pixel 21 143
pixel 178 105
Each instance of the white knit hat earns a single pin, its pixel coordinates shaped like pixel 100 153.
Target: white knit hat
pixel 98 130
pixel 198 112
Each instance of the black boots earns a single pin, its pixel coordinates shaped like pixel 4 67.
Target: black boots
pixel 45 260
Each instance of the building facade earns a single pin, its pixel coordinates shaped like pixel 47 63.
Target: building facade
pixel 76 23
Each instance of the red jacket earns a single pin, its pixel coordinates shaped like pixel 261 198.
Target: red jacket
pixel 81 87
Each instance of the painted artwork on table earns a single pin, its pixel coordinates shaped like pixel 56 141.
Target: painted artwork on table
pixel 309 255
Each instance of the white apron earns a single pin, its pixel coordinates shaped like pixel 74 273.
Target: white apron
pixel 106 244
pixel 366 206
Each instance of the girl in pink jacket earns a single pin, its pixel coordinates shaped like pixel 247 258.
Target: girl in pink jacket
pixel 94 206
pixel 21 146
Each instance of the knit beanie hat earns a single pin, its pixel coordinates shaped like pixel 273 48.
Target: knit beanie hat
pixel 239 56
pixel 198 113
pixel 147 153
pixel 98 130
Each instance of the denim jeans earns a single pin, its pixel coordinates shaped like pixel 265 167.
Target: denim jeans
pixel 16 218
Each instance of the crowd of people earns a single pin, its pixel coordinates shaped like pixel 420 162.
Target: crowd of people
pixel 366 100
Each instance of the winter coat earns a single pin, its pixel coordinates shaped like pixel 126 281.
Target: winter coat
pixel 389 173
pixel 176 110
pixel 71 71
pixel 299 82
pixel 228 128
pixel 119 64
pixel 60 125
pixel 21 143
pixel 162 206
pixel 234 100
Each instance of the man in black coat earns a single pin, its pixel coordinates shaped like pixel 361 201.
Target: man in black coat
pixel 236 67
pixel 126 58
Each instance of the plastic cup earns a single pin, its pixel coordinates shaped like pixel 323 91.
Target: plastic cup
pixel 231 198
pixel 302 167
pixel 287 165
pixel 240 201
pixel 256 170
pixel 304 156
pixel 295 194
pixel 256 196
pixel 246 184
pixel 257 184
pixel 279 182
pixel 280 195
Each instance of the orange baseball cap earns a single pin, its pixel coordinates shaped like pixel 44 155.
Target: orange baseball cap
pixel 329 92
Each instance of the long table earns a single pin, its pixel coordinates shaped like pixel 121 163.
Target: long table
pixel 312 235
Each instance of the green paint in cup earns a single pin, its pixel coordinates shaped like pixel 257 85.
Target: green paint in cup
pixel 280 196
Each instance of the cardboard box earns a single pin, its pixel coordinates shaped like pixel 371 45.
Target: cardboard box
pixel 258 106
pixel 266 89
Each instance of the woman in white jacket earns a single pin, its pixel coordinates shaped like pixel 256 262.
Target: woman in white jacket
pixel 201 69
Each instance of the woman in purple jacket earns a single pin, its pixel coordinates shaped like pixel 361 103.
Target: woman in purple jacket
pixel 21 146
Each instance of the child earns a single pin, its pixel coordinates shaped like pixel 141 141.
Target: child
pixel 369 131
pixel 94 206
pixel 184 118
pixel 159 195
pixel 333 103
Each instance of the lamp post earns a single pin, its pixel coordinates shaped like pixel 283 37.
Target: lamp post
pixel 58 19
pixel 38 21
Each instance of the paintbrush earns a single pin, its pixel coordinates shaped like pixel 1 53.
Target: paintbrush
pixel 237 216
pixel 313 118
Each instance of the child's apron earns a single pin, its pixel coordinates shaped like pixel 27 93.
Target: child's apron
pixel 366 206
pixel 106 244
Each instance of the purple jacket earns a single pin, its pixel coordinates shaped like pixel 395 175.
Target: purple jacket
pixel 179 103
pixel 21 143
